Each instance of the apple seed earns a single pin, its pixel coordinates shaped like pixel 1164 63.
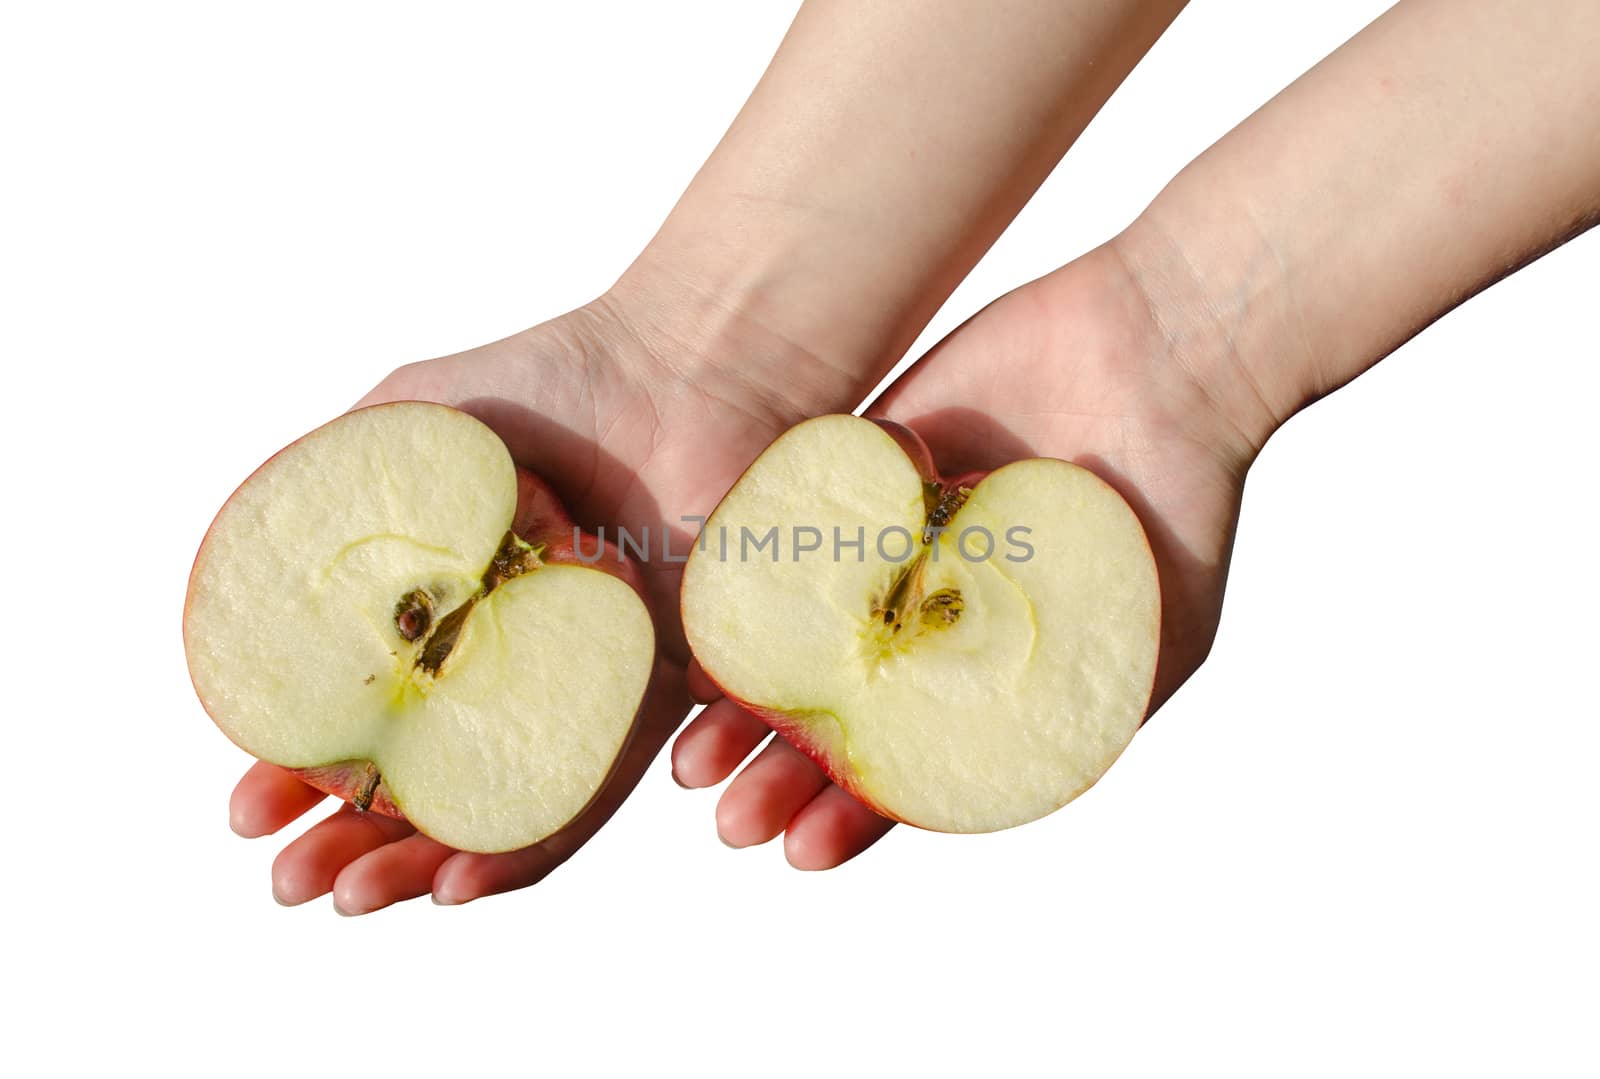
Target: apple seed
pixel 943 607
pixel 444 637
pixel 413 615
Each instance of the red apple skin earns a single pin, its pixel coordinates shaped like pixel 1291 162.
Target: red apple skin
pixel 793 730
pixel 968 480
pixel 540 518
pixel 344 780
pixel 911 442
pixel 922 457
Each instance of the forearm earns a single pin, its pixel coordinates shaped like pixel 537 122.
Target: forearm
pixel 1447 144
pixel 887 146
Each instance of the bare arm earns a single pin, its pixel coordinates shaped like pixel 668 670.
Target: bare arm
pixel 888 144
pixel 885 149
pixel 1449 143
pixel 1445 145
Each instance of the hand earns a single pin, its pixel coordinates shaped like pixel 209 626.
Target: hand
pixel 1306 245
pixel 1073 366
pixel 600 407
pixel 807 280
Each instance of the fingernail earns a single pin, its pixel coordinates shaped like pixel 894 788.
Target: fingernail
pixel 346 907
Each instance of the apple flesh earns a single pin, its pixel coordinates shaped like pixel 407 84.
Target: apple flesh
pixel 374 610
pixel 980 668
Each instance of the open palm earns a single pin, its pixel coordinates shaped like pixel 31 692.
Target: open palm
pixel 1069 366
pixel 587 402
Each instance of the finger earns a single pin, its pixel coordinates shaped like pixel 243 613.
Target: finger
pixel 393 872
pixel 267 798
pixel 832 829
pixel 308 867
pixel 715 743
pixel 761 801
pixel 701 687
pixel 466 876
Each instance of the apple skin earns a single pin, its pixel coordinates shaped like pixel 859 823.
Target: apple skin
pixel 345 780
pixel 914 447
pixel 540 518
pixel 791 729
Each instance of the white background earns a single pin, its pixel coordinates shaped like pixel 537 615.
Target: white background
pixel 1361 840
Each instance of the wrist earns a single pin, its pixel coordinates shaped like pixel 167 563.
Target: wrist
pixel 1222 303
pixel 752 320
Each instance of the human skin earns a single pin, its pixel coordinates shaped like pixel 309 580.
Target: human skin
pixel 1165 358
pixel 1448 144
pixel 803 260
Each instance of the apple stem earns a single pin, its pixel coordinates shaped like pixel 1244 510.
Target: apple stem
pixel 944 509
pixel 514 558
pixel 369 789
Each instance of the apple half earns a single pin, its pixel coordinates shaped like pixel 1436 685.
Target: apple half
pixel 371 608
pixel 963 656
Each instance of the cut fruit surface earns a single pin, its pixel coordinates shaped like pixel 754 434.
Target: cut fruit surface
pixel 978 661
pixel 361 599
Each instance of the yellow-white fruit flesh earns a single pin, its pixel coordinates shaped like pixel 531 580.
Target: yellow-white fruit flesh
pixel 292 643
pixel 994 719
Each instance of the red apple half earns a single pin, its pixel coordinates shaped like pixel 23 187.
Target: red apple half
pixel 977 662
pixel 371 608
